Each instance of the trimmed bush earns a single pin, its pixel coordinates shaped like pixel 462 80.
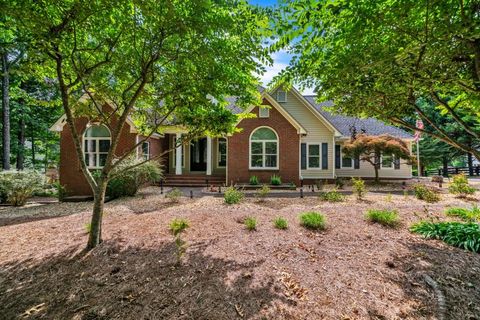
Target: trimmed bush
pixel 174 195
pixel 232 195
pixel 17 186
pixel 388 218
pixel 275 180
pixel 280 223
pixel 460 186
pixel 462 235
pixel 332 196
pixel 313 220
pixel 253 180
pixel 464 214
pixel 359 189
pixel 422 192
pixel 262 193
pixel 250 223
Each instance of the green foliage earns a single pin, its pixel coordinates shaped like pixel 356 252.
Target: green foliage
pixel 472 214
pixel 262 193
pixel 232 195
pixel 462 235
pixel 332 196
pixel 359 188
pixel 460 187
pixel 388 218
pixel 422 192
pixel 313 220
pixel 250 223
pixel 174 195
pixel 275 180
pixel 280 223
pixel 253 180
pixel 17 186
pixel 177 226
pixel 388 197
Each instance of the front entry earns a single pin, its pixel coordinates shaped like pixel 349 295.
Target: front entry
pixel 198 155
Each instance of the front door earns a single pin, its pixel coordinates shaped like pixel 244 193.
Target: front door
pixel 198 155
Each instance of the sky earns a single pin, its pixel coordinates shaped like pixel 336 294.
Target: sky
pixel 280 58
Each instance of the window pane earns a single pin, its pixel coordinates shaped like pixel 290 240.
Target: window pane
pixel 223 160
pixel 346 162
pixel 257 148
pixel 264 134
pixel 222 146
pixel 270 161
pixel 103 145
pixel 97 131
pixel 263 112
pixel 256 161
pixel 271 148
pixel 314 162
pixel 387 161
pixel 103 159
pixel 314 150
pixel 91 159
pixel 90 145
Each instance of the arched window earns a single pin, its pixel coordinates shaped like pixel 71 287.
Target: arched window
pixel 263 149
pixel 96 143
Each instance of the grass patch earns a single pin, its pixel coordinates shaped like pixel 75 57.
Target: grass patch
pixel 250 223
pixel 313 220
pixel 462 235
pixel 464 213
pixel 388 218
pixel 275 180
pixel 280 223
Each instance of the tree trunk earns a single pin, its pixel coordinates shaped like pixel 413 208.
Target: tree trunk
pixel 445 166
pixel 376 173
pixel 470 164
pixel 21 143
pixel 6 112
pixel 95 236
pixel 32 136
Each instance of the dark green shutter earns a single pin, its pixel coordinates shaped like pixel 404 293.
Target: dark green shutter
pixel 396 163
pixel 303 157
pixel 356 162
pixel 325 155
pixel 337 157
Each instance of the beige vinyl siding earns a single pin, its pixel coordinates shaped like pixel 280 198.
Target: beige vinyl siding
pixel 366 170
pixel 317 133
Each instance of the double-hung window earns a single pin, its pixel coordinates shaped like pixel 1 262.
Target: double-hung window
pixel 263 149
pixel 146 150
pixel 313 156
pixel 222 152
pixel 387 161
pixel 96 144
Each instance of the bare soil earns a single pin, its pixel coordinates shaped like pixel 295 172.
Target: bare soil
pixel 352 270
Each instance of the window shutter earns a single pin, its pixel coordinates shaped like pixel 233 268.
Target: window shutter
pixel 356 162
pixel 303 161
pixel 337 157
pixel 396 163
pixel 324 155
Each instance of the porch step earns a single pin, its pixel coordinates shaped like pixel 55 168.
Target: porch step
pixel 172 180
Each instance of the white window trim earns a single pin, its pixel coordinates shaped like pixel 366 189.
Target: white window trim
pixel 278 100
pixel 341 160
pixel 387 168
pixel 265 109
pixel 97 145
pixel 263 148
pixel 148 150
pixel 218 152
pixel 175 154
pixel 319 156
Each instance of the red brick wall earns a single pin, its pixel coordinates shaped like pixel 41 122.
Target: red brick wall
pixel 238 150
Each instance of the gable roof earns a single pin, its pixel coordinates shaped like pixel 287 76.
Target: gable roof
pixel 344 124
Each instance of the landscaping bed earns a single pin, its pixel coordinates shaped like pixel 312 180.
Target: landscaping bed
pixel 354 269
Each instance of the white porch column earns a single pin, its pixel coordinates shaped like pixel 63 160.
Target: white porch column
pixel 178 156
pixel 209 156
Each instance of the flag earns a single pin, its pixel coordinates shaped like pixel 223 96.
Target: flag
pixel 419 125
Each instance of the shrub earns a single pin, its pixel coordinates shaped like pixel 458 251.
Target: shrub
pixel 17 187
pixel 423 193
pixel 437 179
pixel 177 226
pixel 460 187
pixel 250 223
pixel 462 235
pixel 280 223
pixel 254 180
pixel 332 196
pixel 275 180
pixel 174 195
pixel 232 195
pixel 388 218
pixel 262 193
pixel 339 182
pixel 127 182
pixel 313 220
pixel 465 214
pixel 359 188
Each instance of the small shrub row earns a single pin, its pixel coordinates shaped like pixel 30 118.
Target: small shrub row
pixel 464 213
pixel 274 180
pixel 424 193
pixel 17 186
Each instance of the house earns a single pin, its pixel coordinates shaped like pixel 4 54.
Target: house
pixel 294 137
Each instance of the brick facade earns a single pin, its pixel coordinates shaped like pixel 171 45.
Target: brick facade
pixel 288 158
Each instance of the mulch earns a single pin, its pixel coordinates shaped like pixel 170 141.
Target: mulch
pixel 352 270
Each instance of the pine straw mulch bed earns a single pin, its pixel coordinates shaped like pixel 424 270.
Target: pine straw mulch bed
pixel 352 270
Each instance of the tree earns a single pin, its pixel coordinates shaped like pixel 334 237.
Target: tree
pixel 371 148
pixel 150 61
pixel 380 58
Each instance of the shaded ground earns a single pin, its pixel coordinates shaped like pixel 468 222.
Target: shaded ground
pixel 353 270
